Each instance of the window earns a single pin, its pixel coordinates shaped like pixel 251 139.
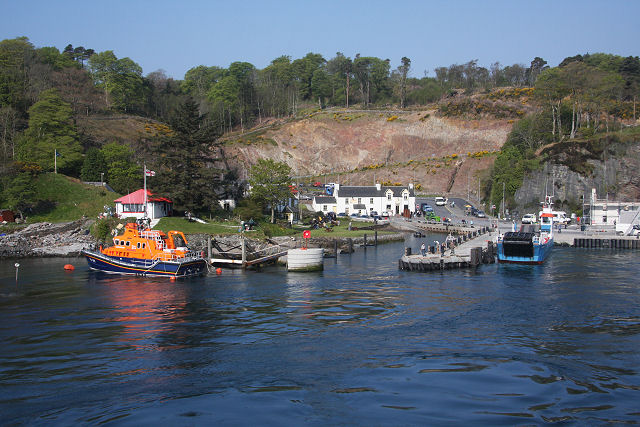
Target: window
pixel 324 208
pixel 371 201
pixel 132 207
pixel 359 200
pixel 389 196
pixel 128 243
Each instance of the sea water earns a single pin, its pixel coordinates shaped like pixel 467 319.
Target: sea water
pixel 360 343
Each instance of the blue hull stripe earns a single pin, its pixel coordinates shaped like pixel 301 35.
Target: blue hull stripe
pixel 162 268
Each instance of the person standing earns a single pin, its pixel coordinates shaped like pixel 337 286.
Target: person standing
pixel 423 249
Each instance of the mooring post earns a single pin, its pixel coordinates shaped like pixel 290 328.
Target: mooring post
pixel 365 241
pixel 244 252
pixel 335 248
pixel 375 238
pixel 209 249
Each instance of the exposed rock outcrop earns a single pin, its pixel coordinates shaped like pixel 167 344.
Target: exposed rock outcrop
pixel 47 239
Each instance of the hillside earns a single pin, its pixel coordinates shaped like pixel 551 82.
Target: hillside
pixel 360 147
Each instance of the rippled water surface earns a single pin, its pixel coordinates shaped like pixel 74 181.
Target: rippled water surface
pixel 360 343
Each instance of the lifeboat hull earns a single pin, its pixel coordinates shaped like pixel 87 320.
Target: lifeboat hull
pixel 143 267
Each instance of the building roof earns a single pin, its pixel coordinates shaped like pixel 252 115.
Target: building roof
pixel 327 200
pixel 137 197
pixel 372 191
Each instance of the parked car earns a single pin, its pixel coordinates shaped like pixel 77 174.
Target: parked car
pixel 529 219
pixel 441 201
pixel 635 230
pixel 373 213
pixel 342 214
pixel 480 214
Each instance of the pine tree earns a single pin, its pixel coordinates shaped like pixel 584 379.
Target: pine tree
pixel 184 161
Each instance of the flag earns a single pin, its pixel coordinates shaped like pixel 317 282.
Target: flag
pixel 58 154
pixel 148 172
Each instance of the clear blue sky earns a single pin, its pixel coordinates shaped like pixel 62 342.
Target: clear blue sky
pixel 178 35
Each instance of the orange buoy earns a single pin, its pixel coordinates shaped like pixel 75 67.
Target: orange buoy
pixel 218 270
pixel 69 267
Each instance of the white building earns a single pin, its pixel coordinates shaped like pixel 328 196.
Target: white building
pixel 605 212
pixel 132 205
pixel 361 200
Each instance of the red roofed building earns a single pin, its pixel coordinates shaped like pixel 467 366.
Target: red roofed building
pixel 132 205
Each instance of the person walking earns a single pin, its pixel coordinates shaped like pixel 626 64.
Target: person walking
pixel 423 249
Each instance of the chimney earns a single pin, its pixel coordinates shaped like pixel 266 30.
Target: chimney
pixel 411 186
pixel 378 186
pixel 336 188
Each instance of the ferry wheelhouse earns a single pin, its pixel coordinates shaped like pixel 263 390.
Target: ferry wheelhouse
pixel 144 252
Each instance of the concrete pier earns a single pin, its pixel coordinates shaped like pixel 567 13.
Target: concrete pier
pixel 471 250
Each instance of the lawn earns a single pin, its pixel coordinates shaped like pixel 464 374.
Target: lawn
pixel 263 230
pixel 70 199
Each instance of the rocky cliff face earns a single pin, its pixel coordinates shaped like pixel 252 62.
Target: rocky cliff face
pixel 573 171
pixel 363 147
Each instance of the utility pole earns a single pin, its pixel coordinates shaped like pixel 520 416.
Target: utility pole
pixel 467 187
pixel 503 200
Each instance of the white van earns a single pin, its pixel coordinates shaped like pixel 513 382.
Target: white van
pixel 441 201
pixel 559 217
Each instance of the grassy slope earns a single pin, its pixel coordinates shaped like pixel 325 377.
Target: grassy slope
pixel 73 198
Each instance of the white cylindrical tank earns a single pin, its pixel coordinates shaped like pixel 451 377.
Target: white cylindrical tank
pixel 310 259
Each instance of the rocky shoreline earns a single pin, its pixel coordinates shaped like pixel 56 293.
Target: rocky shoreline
pixel 67 239
pixel 45 239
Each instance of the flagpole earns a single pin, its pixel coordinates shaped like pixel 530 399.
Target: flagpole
pixel 145 190
pixel 55 160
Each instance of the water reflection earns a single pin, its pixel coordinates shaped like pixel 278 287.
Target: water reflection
pixel 358 343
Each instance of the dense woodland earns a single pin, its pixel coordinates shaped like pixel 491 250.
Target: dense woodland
pixel 44 93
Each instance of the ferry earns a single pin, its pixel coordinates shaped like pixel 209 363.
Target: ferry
pixel 530 245
pixel 142 251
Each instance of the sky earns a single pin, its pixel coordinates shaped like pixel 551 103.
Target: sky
pixel 175 36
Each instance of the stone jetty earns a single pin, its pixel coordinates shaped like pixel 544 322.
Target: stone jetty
pixel 467 250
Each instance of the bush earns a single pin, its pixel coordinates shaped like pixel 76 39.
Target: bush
pixel 101 230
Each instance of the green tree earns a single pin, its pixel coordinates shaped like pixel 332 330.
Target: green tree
pixel 403 71
pixel 94 166
pixel 15 56
pixel 321 86
pixel 341 68
pixel 51 130
pixel 304 69
pixel 20 191
pixel 270 181
pixel 123 173
pixel 184 161
pixel 121 80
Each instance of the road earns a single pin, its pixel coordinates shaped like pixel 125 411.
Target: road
pixel 456 213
